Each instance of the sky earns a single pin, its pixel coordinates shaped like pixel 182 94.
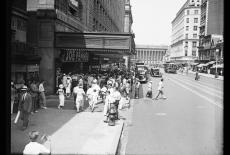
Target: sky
pixel 152 20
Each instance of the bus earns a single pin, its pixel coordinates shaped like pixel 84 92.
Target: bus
pixel 170 68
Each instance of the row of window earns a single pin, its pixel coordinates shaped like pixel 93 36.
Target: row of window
pixel 195 12
pixel 195 20
pixel 194 44
pixel 194 28
pixel 186 53
pixel 194 36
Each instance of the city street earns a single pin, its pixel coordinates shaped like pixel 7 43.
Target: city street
pixel 189 121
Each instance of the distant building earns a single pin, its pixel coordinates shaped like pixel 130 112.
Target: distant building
pixel 185 33
pixel 211 31
pixel 150 54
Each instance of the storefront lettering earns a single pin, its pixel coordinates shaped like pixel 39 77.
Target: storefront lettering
pixel 72 55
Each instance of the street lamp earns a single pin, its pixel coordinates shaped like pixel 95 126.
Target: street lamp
pixel 216 75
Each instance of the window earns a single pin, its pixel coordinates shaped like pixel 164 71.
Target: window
pixel 195 20
pixel 194 53
pixel 187 12
pixel 186 52
pixel 186 36
pixel 187 28
pixel 195 28
pixel 187 20
pixel 194 44
pixel 195 11
pixel 186 44
pixel 194 35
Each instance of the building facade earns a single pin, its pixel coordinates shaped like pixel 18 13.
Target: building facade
pixel 150 54
pixel 51 23
pixel 128 21
pixel 185 33
pixel 211 31
pixel 24 58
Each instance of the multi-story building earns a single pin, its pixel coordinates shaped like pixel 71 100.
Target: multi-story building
pixel 128 21
pixel 185 33
pixel 76 35
pixel 24 59
pixel 150 54
pixel 211 31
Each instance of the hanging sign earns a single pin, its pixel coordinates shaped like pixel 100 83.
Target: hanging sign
pixel 74 55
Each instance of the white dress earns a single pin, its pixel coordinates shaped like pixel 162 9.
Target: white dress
pixel 61 97
pixel 80 97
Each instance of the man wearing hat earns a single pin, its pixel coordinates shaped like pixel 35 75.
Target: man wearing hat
pixel 25 106
pixel 33 147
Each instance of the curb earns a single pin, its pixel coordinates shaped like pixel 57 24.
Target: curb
pixel 117 140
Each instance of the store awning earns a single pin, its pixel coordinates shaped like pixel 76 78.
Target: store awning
pixel 211 62
pixel 200 65
pixel 194 64
pixel 218 66
pixel 97 42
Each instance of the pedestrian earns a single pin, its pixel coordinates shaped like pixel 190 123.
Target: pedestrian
pixel 61 95
pixel 125 101
pixel 92 97
pixel 33 147
pixel 197 76
pixel 137 86
pixel 149 91
pixel 160 90
pixel 117 97
pixel 13 96
pixel 80 96
pixel 68 86
pixel 42 95
pixel 25 107
pixel 34 94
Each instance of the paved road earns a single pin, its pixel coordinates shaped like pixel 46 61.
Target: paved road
pixel 188 122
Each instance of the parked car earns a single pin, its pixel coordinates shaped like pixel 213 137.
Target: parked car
pixel 142 76
pixel 155 72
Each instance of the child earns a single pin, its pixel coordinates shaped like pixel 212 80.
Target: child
pixel 61 95
pixel 149 92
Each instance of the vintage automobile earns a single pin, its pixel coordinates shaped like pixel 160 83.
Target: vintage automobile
pixel 155 72
pixel 142 76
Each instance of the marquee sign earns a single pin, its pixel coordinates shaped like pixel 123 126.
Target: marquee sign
pixel 74 55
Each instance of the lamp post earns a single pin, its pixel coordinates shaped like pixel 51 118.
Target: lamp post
pixel 216 75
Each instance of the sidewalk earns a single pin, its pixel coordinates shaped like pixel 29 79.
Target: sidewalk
pixel 70 132
pixel 203 74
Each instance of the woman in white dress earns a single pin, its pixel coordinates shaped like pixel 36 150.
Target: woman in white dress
pixel 61 95
pixel 80 96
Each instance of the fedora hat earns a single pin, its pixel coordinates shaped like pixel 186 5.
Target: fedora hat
pixel 61 86
pixel 24 88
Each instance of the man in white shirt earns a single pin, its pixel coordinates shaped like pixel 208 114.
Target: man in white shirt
pixel 33 147
pixel 160 90
pixel 42 94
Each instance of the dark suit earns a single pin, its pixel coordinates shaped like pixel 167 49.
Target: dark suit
pixel 25 106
